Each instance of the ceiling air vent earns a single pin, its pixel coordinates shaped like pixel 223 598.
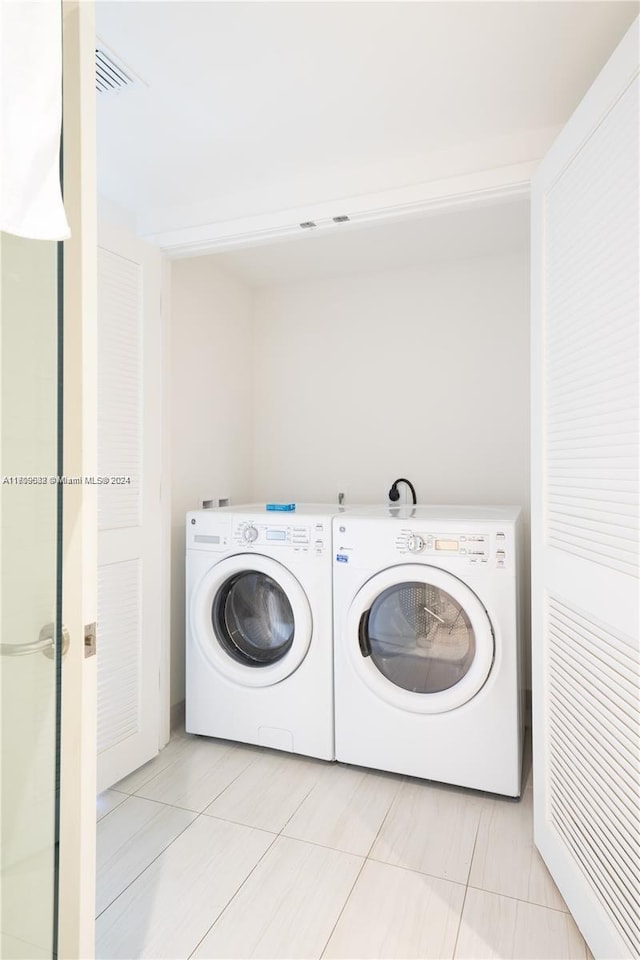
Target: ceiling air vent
pixel 111 73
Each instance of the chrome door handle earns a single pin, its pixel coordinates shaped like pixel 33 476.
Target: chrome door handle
pixel 44 644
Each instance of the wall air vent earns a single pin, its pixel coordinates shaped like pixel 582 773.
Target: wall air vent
pixel 308 224
pixel 112 75
pixel 343 218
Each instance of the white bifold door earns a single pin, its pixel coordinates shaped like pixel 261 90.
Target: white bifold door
pixel 130 600
pixel 585 506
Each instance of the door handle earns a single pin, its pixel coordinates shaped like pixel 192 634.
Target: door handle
pixel 363 636
pixel 45 644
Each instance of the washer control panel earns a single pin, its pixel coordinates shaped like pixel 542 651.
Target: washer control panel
pixel 473 548
pixel 308 538
pixel 415 543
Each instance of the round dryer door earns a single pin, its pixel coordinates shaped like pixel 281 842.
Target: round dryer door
pixel 251 618
pixel 420 639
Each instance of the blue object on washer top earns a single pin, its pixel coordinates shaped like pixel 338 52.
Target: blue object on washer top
pixel 281 506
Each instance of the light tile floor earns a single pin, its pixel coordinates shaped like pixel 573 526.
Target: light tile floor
pixel 224 850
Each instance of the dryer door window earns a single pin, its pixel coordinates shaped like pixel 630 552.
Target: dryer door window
pixel 419 637
pixel 253 619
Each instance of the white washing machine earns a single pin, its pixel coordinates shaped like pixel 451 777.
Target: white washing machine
pixel 259 657
pixel 427 638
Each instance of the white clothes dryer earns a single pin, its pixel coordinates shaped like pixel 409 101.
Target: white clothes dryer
pixel 427 638
pixel 259 654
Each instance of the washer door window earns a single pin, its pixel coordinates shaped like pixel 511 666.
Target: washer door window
pixel 251 619
pixel 424 640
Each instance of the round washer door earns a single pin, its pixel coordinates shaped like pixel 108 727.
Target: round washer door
pixel 420 638
pixel 251 619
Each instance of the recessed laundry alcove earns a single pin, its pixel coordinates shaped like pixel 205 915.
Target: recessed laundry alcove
pixel 339 360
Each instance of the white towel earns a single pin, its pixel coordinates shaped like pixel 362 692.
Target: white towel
pixel 30 119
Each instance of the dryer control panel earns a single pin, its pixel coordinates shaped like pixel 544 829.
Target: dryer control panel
pixel 474 548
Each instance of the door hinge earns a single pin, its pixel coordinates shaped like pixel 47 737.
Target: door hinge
pixel 90 639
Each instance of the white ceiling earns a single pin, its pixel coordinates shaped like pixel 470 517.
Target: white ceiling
pixel 263 109
pixel 256 107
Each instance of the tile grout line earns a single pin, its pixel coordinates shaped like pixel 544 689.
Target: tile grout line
pixel 280 835
pixel 466 889
pixel 384 819
pixel 196 817
pixel 104 816
pixel 224 789
pixel 419 873
pixel 344 907
pixel 359 873
pixel 197 814
pixel 171 806
pixel 148 779
pixel 276 838
pixel 158 855
pixel 528 903
pixel 162 803
pixel 178 807
pixel 289 819
pixel 455 943
pixel 475 841
pixel 235 892
pixel 239 822
pixel 191 741
pixel 510 896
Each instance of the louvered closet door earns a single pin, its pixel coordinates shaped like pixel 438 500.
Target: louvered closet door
pixel 129 603
pixel 585 508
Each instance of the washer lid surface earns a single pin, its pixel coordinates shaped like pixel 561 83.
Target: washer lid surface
pixel 420 638
pixel 251 619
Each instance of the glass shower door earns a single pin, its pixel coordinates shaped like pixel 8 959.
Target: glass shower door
pixel 29 596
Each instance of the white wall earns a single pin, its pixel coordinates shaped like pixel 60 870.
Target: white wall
pixel 420 373
pixel 210 401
